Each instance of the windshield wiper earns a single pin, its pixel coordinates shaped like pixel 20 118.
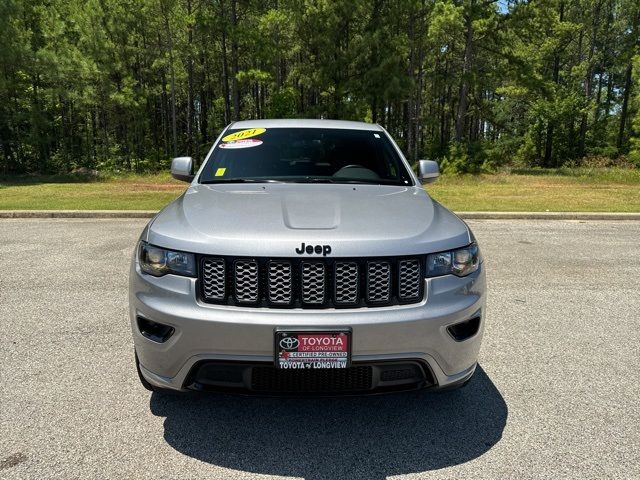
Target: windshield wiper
pixel 311 180
pixel 239 180
pixel 338 180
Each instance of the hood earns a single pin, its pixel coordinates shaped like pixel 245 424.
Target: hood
pixel 275 219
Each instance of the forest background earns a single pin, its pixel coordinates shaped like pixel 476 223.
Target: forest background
pixel 482 86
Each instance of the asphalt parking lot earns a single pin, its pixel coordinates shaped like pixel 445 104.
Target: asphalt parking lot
pixel 557 394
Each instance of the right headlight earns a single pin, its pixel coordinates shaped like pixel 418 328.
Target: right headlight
pixel 460 262
pixel 158 261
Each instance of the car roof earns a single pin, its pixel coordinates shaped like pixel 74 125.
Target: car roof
pixel 305 123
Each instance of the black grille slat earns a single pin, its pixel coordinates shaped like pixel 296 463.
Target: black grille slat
pixel 378 282
pixel 346 283
pixel 409 280
pixel 246 281
pixel 280 282
pixel 350 379
pixel 311 283
pixel 214 279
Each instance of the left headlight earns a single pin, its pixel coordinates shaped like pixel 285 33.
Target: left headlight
pixel 459 262
pixel 158 261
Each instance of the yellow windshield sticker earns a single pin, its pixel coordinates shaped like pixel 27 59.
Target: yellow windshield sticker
pixel 220 172
pixel 252 132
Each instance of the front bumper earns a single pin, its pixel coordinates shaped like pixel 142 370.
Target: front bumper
pixel 230 334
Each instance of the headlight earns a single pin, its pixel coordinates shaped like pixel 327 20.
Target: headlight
pixel 459 262
pixel 158 261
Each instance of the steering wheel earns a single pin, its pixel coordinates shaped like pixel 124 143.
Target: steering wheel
pixel 357 171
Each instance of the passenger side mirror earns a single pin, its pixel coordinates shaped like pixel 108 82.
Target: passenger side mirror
pixel 428 171
pixel 182 168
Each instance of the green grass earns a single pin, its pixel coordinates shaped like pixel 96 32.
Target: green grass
pixel 535 190
pixel 131 192
pixel 564 190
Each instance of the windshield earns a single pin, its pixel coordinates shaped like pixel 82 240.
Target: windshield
pixel 314 155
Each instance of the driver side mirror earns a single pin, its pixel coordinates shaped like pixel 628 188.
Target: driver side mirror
pixel 428 171
pixel 182 168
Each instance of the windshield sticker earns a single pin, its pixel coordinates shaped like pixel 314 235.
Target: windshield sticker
pixel 248 143
pixel 376 135
pixel 252 132
pixel 220 172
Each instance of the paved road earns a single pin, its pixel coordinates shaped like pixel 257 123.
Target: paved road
pixel 556 397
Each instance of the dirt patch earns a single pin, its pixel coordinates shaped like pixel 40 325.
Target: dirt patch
pixel 150 187
pixel 13 460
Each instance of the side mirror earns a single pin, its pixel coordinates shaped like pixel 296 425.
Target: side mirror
pixel 182 168
pixel 428 171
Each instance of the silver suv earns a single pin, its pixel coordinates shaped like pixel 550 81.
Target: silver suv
pixel 306 257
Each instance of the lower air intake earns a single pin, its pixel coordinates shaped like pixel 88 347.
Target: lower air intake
pixel 353 379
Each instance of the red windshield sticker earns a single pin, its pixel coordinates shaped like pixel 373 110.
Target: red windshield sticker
pixel 246 143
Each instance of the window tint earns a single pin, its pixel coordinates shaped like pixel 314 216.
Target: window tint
pixel 306 154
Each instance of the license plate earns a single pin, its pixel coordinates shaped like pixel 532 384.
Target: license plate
pixel 312 349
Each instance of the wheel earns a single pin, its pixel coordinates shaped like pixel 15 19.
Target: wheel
pixel 143 380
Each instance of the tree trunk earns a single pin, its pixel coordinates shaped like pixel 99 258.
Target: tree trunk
pixel 596 113
pixel 172 86
pixel 204 102
pixel 625 107
pixel 548 145
pixel 588 81
pixel 467 66
pixel 164 111
pixel 190 108
pixel 234 61
pixel 225 71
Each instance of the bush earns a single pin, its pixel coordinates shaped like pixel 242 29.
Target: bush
pixel 601 161
pixel 282 104
pixel 460 159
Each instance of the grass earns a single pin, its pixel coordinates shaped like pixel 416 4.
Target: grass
pixel 131 192
pixel 578 190
pixel 535 190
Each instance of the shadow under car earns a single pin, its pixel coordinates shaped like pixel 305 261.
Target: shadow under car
pixel 321 438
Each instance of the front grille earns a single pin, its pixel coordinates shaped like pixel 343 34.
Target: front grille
pixel 409 275
pixel 246 281
pixel 379 282
pixel 313 283
pixel 280 281
pixel 400 373
pixel 353 379
pixel 264 378
pixel 346 283
pixel 214 279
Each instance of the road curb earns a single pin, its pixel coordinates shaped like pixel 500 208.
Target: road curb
pixel 548 215
pixel 77 213
pixel 465 215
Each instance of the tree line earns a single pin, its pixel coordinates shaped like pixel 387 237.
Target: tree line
pixel 126 84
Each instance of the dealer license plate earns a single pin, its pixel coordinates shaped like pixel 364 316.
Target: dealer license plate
pixel 312 349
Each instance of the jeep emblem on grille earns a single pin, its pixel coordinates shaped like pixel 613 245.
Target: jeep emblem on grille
pixel 311 249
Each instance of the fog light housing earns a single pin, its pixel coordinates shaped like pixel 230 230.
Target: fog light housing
pixel 154 331
pixel 463 330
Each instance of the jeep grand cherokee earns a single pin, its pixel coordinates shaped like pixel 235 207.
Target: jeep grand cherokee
pixel 306 257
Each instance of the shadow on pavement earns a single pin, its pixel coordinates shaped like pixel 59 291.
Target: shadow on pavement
pixel 323 438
